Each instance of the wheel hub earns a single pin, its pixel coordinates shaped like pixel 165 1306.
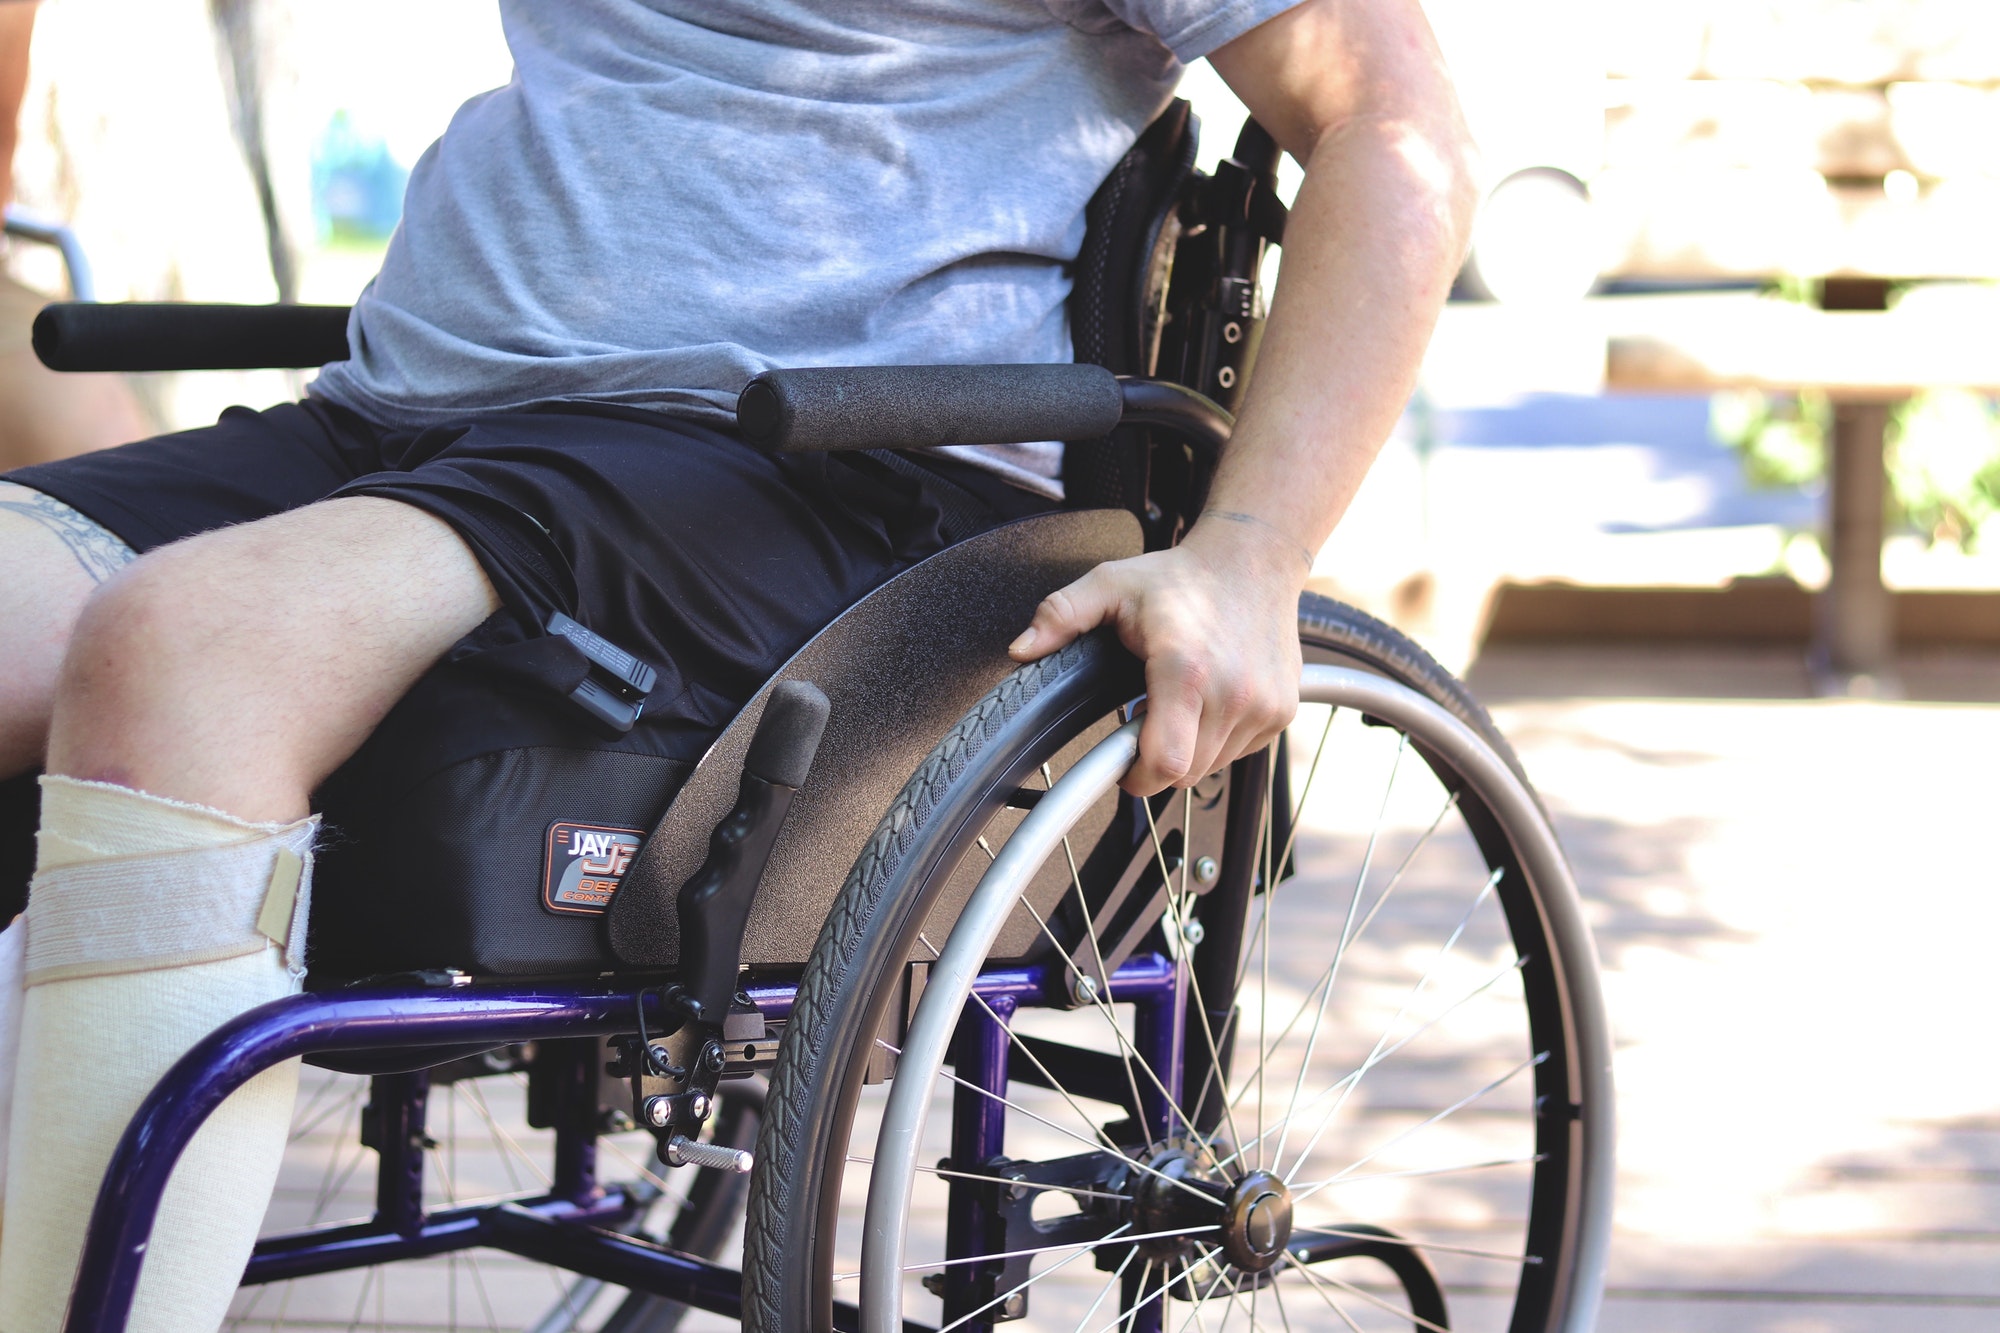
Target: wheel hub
pixel 1178 1193
pixel 1257 1221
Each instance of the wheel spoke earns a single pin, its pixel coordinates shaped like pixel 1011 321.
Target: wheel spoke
pixel 1117 1277
pixel 1264 915
pixel 1055 1084
pixel 1278 1299
pixel 361 1301
pixel 1324 1295
pixel 651 1177
pixel 479 1285
pixel 1347 934
pixel 1326 975
pixel 1530 1160
pixel 572 1299
pixel 1530 1260
pixel 1194 1306
pixel 1127 1053
pixel 1459 1105
pixel 502 1139
pixel 1375 1056
pixel 1415 1033
pixel 1030 1281
pixel 1369 1296
pixel 1184 962
pixel 1099 1144
pixel 1125 1045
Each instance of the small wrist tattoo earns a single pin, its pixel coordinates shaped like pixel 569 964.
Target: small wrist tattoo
pixel 1237 516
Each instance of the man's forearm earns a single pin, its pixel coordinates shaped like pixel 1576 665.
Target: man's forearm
pixel 1376 236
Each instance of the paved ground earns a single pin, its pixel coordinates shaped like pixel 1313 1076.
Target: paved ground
pixel 1795 903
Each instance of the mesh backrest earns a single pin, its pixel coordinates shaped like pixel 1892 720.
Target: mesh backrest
pixel 1107 303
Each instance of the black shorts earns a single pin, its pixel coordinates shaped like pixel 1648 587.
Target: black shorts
pixel 706 558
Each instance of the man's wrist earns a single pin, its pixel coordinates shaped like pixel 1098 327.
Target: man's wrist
pixel 1252 537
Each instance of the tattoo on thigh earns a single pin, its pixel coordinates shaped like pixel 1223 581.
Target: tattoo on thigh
pixel 100 553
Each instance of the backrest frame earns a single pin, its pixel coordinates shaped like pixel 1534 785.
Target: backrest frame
pixel 1166 285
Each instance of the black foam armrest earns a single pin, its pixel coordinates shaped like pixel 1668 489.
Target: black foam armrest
pixel 917 407
pixel 174 335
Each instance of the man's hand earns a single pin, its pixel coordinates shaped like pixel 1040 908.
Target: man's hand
pixel 1216 621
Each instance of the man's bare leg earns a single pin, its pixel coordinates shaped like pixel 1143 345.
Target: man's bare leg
pixel 206 690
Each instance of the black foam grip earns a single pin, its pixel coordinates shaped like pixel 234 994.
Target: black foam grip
pixel 788 734
pixel 175 335
pixel 917 407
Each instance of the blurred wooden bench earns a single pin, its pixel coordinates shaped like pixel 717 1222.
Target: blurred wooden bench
pixel 1866 361
pixel 1862 171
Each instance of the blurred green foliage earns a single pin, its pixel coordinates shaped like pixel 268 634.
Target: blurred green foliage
pixel 1780 438
pixel 1943 455
pixel 1944 465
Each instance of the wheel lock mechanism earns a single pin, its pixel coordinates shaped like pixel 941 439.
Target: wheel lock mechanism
pixel 712 1031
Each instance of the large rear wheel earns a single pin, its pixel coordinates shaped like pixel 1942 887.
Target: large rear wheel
pixel 1120 1085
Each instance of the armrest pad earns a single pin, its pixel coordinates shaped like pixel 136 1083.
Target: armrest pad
pixel 172 335
pixel 917 407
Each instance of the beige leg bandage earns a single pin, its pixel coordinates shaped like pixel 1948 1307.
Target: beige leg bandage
pixel 12 940
pixel 150 922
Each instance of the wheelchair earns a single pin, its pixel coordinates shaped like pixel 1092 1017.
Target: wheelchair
pixel 962 1033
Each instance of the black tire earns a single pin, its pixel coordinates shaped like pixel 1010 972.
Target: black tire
pixel 893 893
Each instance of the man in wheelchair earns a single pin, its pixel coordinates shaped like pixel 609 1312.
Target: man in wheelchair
pixel 534 430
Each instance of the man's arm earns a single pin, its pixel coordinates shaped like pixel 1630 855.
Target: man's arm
pixel 1355 90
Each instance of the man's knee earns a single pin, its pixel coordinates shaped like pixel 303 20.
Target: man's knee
pixel 256 658
pixel 147 625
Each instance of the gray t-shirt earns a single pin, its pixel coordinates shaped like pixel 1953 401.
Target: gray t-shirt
pixel 672 195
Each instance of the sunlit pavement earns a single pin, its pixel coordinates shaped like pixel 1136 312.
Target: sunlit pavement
pixel 1795 904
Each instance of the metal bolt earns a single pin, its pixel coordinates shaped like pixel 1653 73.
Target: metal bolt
pixel 1016 1306
pixel 658 1111
pixel 1206 869
pixel 1232 332
pixel 1019 1189
pixel 712 1058
pixel 1226 377
pixel 1083 988
pixel 1193 932
pixel 658 1055
pixel 934 1284
pixel 698 1105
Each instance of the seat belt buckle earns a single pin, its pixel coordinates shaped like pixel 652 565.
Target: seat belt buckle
pixel 614 693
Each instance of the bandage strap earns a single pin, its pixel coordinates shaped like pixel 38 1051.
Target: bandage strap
pixel 171 909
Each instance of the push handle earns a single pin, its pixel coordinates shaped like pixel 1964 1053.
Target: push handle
pixel 919 407
pixel 177 335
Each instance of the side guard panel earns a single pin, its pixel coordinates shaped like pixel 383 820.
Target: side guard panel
pixel 900 667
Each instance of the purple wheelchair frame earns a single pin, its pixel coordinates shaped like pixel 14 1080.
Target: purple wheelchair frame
pixel 571 1226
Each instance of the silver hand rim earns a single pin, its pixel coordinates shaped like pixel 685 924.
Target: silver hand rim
pixel 885 1227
